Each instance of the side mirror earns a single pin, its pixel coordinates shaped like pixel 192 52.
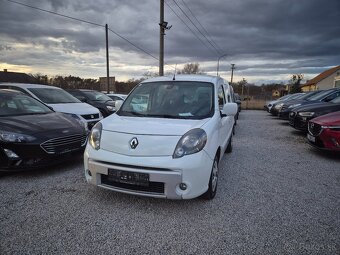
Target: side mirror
pixel 118 104
pixel 229 109
pixel 238 101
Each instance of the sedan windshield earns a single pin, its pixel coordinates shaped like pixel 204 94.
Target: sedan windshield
pixel 320 95
pixel 13 105
pixel 96 96
pixel 170 99
pixel 53 95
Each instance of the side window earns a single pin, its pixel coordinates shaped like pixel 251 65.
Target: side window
pixel 332 96
pixel 221 97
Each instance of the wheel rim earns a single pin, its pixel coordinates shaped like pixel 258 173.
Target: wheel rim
pixel 214 176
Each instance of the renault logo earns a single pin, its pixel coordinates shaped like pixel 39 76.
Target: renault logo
pixel 312 125
pixel 134 143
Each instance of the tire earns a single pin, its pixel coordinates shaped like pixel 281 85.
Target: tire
pixel 229 148
pixel 213 180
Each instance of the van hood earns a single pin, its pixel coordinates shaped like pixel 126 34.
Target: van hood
pixel 150 126
pixel 156 137
pixel 75 108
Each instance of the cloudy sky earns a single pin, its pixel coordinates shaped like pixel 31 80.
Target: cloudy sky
pixel 268 40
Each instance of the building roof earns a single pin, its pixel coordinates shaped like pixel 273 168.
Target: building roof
pixel 321 76
pixel 16 77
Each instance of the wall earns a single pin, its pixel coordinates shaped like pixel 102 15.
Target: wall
pixel 327 83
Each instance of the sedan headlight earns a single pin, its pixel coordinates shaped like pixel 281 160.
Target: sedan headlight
pixel 306 114
pixel 191 142
pixel 294 105
pixel 10 137
pixel 95 136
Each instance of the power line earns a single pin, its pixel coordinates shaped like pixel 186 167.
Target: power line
pixel 187 26
pixel 210 37
pixel 134 45
pixel 88 22
pixel 217 51
pixel 55 13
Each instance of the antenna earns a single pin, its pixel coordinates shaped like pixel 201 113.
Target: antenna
pixel 174 78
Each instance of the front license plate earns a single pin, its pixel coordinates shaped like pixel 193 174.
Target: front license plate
pixel 133 178
pixel 311 138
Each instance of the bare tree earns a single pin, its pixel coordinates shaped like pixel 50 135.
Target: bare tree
pixel 191 68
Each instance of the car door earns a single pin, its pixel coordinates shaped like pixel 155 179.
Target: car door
pixel 230 119
pixel 223 125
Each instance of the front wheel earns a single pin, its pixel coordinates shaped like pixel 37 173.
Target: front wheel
pixel 211 192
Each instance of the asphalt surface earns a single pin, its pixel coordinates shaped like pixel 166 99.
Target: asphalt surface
pixel 276 195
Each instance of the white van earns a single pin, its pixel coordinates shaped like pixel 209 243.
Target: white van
pixel 166 140
pixel 59 100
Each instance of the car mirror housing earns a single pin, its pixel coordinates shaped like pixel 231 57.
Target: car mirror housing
pixel 118 104
pixel 230 109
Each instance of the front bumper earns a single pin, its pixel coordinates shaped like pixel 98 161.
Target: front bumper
pixel 33 157
pixel 298 122
pixel 165 173
pixel 284 115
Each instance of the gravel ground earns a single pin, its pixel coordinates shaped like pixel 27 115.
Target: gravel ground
pixel 276 195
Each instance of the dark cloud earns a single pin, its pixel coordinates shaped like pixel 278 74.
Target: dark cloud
pixel 275 36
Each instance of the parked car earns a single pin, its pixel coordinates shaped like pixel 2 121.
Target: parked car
pixel 322 96
pixel 269 104
pixel 290 104
pixel 300 115
pixel 238 101
pixel 233 100
pixel 171 146
pixel 324 132
pixel 97 99
pixel 59 100
pixel 32 135
pixel 116 98
pixel 275 109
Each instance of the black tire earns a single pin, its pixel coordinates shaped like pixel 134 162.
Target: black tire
pixel 229 148
pixel 213 180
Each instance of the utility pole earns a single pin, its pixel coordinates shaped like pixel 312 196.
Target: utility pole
pixel 161 39
pixel 232 73
pixel 107 59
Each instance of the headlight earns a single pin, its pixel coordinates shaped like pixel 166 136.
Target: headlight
pixel 306 114
pixel 294 105
pixel 10 137
pixel 81 122
pixel 95 136
pixel 278 106
pixel 110 108
pixel 191 142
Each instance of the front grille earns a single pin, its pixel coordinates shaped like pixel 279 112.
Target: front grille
pixel 64 144
pixel 154 187
pixel 314 128
pixel 91 116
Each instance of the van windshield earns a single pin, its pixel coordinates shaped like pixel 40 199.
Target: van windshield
pixel 53 96
pixel 170 99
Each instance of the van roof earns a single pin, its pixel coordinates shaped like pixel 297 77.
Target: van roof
pixel 186 77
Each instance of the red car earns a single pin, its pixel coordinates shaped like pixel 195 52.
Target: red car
pixel 324 132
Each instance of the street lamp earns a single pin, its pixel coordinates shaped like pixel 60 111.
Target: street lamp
pixel 218 62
